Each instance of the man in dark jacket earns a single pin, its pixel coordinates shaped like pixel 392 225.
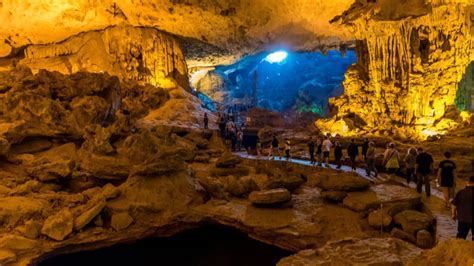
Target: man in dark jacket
pixel 423 170
pixel 462 210
pixel 365 148
pixel 353 152
pixel 311 150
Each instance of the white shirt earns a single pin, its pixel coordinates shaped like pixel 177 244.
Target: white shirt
pixel 327 144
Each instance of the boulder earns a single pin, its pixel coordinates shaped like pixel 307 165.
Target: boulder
pixel 14 209
pixel 121 221
pixel 269 197
pixel 14 242
pixel 4 146
pixel 379 218
pixel 397 233
pixel 413 221
pixel 335 196
pixel 228 161
pixel 110 191
pixel 288 181
pixel 58 226
pixel 53 164
pixel 386 194
pixel 31 229
pixel 341 182
pixel 86 217
pixel 6 256
pixel 424 239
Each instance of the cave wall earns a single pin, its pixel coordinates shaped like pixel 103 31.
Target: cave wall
pixel 131 53
pixel 410 65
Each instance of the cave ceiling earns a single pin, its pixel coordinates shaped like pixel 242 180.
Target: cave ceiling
pixel 233 25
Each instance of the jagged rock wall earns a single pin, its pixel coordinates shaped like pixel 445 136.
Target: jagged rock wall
pixel 131 53
pixel 410 65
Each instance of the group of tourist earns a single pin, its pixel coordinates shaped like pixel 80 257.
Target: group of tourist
pixel 233 134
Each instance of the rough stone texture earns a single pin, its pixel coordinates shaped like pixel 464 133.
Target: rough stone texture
pixel 386 194
pixel 121 221
pixel 424 239
pixel 409 67
pixel 269 197
pixel 31 229
pixel 58 226
pixel 413 221
pixel 228 161
pixel 347 182
pixel 14 209
pixel 4 146
pixel 87 216
pixel 397 233
pixel 53 164
pixel 336 196
pixel 227 24
pixel 379 219
pixel 14 242
pixel 7 256
pixel 131 53
pixel 449 252
pixel 371 251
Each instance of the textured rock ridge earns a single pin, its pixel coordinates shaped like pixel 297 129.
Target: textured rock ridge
pixel 131 53
pixel 412 57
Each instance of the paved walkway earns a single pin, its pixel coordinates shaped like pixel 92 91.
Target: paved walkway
pixel 446 227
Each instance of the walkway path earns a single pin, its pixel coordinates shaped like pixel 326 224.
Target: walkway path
pixel 446 227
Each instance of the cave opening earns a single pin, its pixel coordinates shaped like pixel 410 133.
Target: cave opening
pixel 465 93
pixel 280 81
pixel 206 246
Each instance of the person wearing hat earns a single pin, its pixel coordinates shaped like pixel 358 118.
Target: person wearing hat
pixel 462 210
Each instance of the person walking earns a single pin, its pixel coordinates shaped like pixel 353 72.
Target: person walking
pixel 410 162
pixel 240 139
pixel 423 170
pixel 222 125
pixel 447 178
pixel 275 149
pixel 206 121
pixel 287 149
pixel 365 148
pixel 319 151
pixel 353 152
pixel 370 156
pixel 311 151
pixel 327 144
pixel 338 154
pixel 462 210
pixel 391 160
pixel 258 148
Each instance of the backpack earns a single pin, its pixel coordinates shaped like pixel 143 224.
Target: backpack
pixel 392 161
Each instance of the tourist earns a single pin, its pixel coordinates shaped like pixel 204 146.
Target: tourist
pixel 365 148
pixel 206 121
pixel 311 151
pixel 353 152
pixel 447 178
pixel 462 210
pixel 240 138
pixel 222 124
pixel 423 170
pixel 338 154
pixel 287 149
pixel 319 151
pixel 391 159
pixel 370 157
pixel 410 162
pixel 275 149
pixel 258 148
pixel 327 144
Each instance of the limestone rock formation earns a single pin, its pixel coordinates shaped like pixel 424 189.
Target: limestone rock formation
pixel 412 56
pixel 269 197
pixel 131 53
pixel 373 251
pixel 453 251
pixel 413 221
pixel 379 219
pixel 58 226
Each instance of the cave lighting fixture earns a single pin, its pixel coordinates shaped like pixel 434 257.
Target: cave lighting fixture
pixel 276 57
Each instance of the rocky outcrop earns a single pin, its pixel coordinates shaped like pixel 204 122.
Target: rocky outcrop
pixel 58 226
pixel 270 197
pixel 375 251
pixel 412 56
pixel 413 221
pixel 131 53
pixel 453 251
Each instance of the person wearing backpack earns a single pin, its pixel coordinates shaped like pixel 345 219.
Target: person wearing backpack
pixel 391 160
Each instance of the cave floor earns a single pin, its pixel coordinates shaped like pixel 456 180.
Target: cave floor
pixel 446 227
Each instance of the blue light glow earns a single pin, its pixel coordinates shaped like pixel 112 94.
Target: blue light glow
pixel 276 57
